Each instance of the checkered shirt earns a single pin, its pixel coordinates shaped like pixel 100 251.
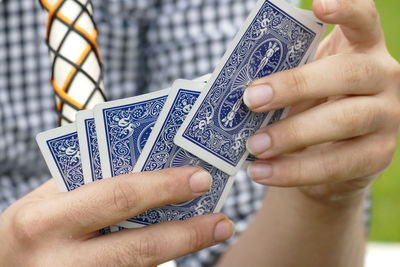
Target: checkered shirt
pixel 145 46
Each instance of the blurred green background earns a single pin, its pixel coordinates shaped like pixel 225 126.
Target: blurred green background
pixel 386 191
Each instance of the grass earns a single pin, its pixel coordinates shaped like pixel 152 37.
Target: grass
pixel 386 191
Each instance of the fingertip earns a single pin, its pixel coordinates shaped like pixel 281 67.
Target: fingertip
pixel 318 9
pixel 259 172
pixel 200 182
pixel 224 229
pixel 324 8
pixel 248 171
pixel 257 96
pixel 258 143
pixel 246 98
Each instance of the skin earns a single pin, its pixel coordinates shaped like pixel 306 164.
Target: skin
pixel 46 227
pixel 320 161
pixel 340 135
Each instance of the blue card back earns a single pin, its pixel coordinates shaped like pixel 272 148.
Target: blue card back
pixel 67 158
pixel 219 125
pixel 165 154
pixel 127 129
pixel 93 148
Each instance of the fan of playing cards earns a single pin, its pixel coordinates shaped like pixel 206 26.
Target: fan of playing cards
pixel 203 122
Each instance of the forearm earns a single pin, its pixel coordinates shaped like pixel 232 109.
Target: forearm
pixel 293 230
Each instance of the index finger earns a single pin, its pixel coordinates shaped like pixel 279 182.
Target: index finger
pixel 332 76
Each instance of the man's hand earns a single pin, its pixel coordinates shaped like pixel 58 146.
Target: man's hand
pixel 47 228
pixel 341 132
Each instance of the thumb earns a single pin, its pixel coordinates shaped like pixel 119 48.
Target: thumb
pixel 358 19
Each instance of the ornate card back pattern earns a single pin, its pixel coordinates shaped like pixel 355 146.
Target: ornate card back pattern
pixel 93 147
pixel 127 130
pixel 165 154
pixel 274 41
pixel 66 155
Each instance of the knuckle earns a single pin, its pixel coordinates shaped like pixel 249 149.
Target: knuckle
pixel 369 117
pixel 393 73
pixel 128 255
pixel 174 179
pixel 329 165
pixel 125 196
pixel 27 225
pixel 357 70
pixel 143 252
pixel 373 11
pixel 148 249
pixel 171 184
pixel 170 174
pixel 378 157
pixel 395 115
pixel 126 261
pixel 292 133
pixel 362 164
pixel 171 179
pixel 295 173
pixel 297 83
pixel 195 238
pixel 358 118
pixel 346 116
pixel 386 149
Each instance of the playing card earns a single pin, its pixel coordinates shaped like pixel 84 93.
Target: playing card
pixel 160 152
pixel 88 144
pixel 203 78
pixel 274 38
pixel 123 127
pixel 116 228
pixel 60 148
pixel 282 113
pixel 322 25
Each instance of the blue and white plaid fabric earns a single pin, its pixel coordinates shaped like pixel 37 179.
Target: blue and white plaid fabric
pixel 145 45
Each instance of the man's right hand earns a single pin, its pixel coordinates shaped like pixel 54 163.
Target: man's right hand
pixel 47 228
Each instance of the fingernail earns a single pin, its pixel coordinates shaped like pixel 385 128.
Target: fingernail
pixel 258 143
pixel 200 182
pixel 329 6
pixel 259 171
pixel 223 230
pixel 257 96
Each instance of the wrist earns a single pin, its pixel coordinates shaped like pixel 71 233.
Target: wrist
pixel 319 210
pixel 336 200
